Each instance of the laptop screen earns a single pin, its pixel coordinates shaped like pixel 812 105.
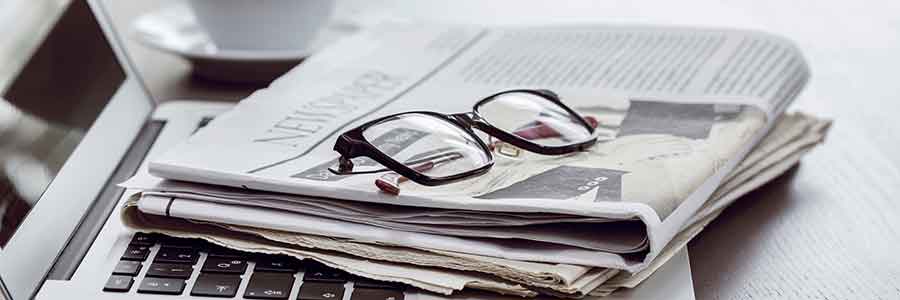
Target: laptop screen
pixel 57 72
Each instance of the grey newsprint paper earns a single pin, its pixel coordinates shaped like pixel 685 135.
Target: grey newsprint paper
pixel 682 115
pixel 445 272
pixel 678 108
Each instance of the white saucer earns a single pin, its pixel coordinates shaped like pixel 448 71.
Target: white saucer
pixel 174 29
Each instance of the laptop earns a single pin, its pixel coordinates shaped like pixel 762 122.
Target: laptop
pixel 75 120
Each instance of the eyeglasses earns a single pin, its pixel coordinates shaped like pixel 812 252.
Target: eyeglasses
pixel 432 149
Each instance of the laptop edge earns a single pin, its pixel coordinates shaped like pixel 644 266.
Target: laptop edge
pixel 37 243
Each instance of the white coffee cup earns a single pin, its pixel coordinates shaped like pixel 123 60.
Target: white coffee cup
pixel 262 24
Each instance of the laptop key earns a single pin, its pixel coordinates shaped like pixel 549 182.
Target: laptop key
pixel 321 291
pixel 269 285
pixel 219 251
pixel 136 252
pixel 319 272
pixel 156 285
pixel 376 284
pixel 146 239
pixel 118 284
pixel 224 265
pixel 127 267
pixel 375 294
pixel 170 270
pixel 174 242
pixel 277 264
pixel 216 285
pixel 176 255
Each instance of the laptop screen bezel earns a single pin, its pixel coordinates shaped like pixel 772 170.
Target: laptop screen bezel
pixel 45 232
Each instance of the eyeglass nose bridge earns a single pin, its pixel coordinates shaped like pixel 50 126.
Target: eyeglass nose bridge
pixel 467 119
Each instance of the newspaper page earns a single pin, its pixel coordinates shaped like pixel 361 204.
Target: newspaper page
pixel 678 109
pixel 790 139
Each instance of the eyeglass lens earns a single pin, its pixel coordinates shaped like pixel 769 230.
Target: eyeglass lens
pixel 427 144
pixel 534 118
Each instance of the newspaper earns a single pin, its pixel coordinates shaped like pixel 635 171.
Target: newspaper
pixel 678 108
pixel 791 140
pixel 793 136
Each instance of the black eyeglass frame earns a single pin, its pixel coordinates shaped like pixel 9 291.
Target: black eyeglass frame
pixel 352 143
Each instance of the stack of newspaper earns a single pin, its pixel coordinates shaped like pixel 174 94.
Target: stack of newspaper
pixel 690 120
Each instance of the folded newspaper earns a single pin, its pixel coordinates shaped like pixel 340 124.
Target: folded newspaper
pixel 678 110
pixel 793 136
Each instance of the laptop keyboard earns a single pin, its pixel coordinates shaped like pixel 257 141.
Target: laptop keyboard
pixel 157 264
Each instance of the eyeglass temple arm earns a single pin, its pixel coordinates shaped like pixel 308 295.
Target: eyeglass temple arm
pixel 345 167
